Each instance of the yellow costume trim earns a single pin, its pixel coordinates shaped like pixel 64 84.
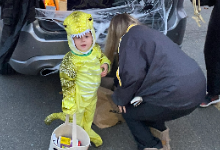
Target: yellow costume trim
pixel 117 72
pixel 130 27
pixel 118 77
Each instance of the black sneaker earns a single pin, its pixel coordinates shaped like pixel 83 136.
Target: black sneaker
pixel 210 100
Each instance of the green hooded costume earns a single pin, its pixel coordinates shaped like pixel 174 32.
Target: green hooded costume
pixel 80 75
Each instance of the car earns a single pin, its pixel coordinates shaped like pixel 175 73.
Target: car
pixel 43 43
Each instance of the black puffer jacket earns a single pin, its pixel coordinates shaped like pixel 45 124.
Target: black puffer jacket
pixel 155 68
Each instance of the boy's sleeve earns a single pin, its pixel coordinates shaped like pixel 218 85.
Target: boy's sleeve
pixel 67 79
pixel 105 60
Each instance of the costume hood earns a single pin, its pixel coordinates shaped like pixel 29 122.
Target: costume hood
pixel 77 24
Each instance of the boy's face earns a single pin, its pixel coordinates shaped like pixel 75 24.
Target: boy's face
pixel 84 43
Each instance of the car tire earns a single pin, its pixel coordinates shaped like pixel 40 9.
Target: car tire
pixel 6 69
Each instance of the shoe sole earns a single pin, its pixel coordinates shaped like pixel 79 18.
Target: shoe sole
pixel 211 103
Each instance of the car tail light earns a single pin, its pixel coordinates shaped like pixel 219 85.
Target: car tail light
pixel 49 4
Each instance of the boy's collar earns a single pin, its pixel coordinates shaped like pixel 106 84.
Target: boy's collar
pixel 82 54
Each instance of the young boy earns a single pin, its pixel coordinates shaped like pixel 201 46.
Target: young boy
pixel 80 73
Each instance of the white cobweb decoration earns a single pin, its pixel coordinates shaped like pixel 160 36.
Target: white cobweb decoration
pixel 153 13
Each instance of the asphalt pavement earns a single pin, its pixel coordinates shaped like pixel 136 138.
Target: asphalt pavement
pixel 25 101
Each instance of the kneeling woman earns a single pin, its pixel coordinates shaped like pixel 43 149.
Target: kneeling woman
pixel 152 68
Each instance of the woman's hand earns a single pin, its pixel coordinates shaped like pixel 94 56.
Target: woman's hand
pixel 105 70
pixel 122 109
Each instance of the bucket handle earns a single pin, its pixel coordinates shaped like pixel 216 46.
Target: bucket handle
pixel 74 133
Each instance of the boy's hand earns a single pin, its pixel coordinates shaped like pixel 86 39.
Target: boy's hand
pixel 105 70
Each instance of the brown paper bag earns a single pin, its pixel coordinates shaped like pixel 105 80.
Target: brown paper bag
pixel 106 111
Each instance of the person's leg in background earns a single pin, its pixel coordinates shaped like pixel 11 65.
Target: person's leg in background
pixel 212 56
pixel 213 88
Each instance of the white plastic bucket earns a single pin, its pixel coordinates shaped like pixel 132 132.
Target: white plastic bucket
pixel 71 130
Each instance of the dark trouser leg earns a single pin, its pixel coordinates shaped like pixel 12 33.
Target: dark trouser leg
pixel 213 83
pixel 159 125
pixel 142 134
pixel 137 120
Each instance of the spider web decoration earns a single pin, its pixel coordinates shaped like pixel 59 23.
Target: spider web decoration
pixel 153 13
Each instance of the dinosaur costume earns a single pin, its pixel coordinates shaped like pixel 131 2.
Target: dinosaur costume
pixel 80 75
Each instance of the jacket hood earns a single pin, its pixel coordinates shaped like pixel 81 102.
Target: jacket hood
pixel 77 24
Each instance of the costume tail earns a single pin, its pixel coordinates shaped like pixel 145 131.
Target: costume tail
pixel 55 116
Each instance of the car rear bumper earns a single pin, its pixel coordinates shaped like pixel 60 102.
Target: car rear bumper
pixel 35 65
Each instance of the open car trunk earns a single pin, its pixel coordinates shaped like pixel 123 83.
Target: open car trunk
pixel 153 13
pixel 33 37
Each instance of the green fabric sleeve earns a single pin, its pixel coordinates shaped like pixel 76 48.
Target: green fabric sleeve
pixel 67 79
